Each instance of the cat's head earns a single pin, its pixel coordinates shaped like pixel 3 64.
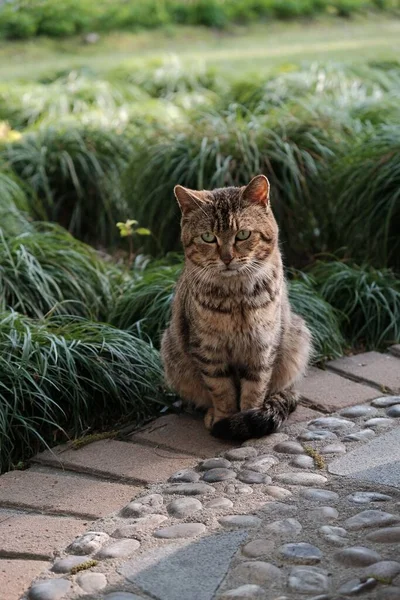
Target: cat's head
pixel 229 230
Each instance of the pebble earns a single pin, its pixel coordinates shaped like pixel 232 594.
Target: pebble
pixel 119 549
pixel 238 488
pixel 319 495
pixel 242 453
pixel 248 521
pixel 50 589
pixel 390 593
pixel 367 497
pixel 371 518
pixel 379 423
pixel 359 436
pixel 331 423
pixel 301 552
pixel 89 542
pixel 183 507
pixel 184 476
pixel 338 448
pixel 258 548
pixel 301 478
pixel 140 524
pixel 279 509
pixel 334 535
pixel 247 476
pixel 190 489
pixel 323 513
pixel 318 435
pixel 387 535
pixel 394 411
pixel 359 410
pixel 122 596
pixel 385 401
pixel 307 580
pixel 219 503
pixel 289 448
pixel 258 572
pixel 183 530
pixel 357 556
pixel 92 582
pixel 153 500
pixel 267 442
pixel 262 464
pixel 218 474
pixel 135 509
pixel 385 570
pixel 244 592
pixel 64 565
pixel 214 463
pixel 277 492
pixel 284 527
pixel 303 462
pixel 356 586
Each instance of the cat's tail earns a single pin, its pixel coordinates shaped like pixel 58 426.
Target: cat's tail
pixel 257 422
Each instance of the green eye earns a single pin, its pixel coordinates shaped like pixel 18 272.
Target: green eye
pixel 243 234
pixel 208 237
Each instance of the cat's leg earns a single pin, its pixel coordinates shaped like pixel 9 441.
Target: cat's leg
pixel 253 387
pixel 182 374
pixel 223 392
pixel 293 355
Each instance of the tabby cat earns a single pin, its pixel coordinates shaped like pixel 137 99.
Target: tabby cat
pixel 234 347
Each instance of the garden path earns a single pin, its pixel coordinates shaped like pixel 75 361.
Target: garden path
pixel 309 512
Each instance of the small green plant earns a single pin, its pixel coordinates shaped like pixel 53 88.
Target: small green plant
pixel 129 229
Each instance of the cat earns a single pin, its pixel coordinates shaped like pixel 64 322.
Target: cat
pixel 233 346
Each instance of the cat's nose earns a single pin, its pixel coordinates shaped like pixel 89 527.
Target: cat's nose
pixel 226 258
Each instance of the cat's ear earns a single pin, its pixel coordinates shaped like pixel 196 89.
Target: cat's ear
pixel 188 200
pixel 257 191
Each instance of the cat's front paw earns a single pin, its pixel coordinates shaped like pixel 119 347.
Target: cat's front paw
pixel 209 418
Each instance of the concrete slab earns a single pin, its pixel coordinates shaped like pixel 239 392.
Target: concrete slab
pixel 16 576
pixel 198 568
pixel 118 461
pixel 66 494
pixel 38 536
pixel 331 392
pixel 377 461
pixel 381 370
pixel 182 433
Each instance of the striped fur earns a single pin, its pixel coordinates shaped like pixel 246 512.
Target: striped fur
pixel 234 347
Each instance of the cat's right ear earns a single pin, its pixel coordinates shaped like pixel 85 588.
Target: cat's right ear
pixel 188 200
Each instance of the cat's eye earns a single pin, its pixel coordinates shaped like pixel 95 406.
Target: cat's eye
pixel 208 237
pixel 243 234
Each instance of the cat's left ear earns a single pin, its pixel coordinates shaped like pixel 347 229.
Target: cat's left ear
pixel 257 191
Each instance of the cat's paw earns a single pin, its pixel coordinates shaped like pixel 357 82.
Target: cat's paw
pixel 209 418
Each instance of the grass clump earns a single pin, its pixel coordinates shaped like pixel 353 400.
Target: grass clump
pixel 63 375
pixel 45 270
pixel 74 173
pixel 366 185
pixel 368 300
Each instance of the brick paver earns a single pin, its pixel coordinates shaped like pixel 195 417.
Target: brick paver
pixel 60 493
pixel 183 433
pixel 395 350
pixel 119 460
pixel 382 370
pixel 331 392
pixel 302 414
pixel 16 575
pixel 37 536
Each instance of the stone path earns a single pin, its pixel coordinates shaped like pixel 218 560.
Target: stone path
pixel 172 514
